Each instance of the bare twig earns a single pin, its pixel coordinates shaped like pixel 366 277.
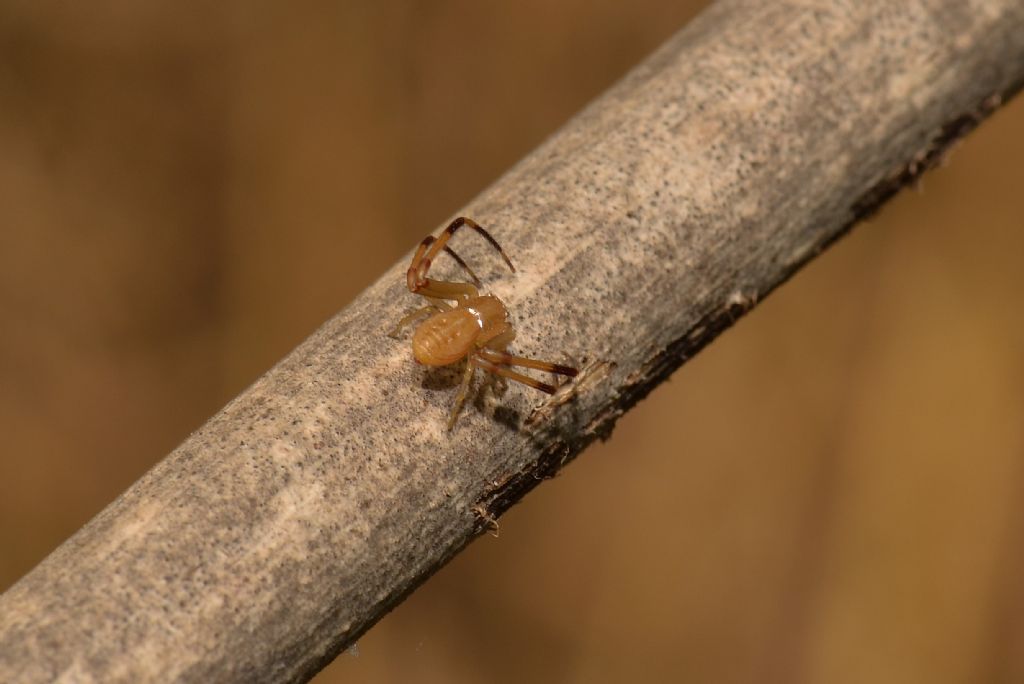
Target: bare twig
pixel 327 491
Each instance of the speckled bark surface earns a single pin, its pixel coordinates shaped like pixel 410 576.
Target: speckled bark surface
pixel 328 490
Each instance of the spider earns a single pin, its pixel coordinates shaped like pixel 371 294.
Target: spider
pixel 474 327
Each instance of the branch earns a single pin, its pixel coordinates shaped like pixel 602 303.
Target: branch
pixel 326 492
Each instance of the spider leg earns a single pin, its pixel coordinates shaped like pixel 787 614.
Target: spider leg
pixel 454 226
pixel 429 240
pixel 504 359
pixel 494 351
pixel 463 264
pixel 410 317
pixel 437 290
pixel 501 336
pixel 417 274
pixel 497 369
pixel 441 289
pixel 460 398
pixel 412 276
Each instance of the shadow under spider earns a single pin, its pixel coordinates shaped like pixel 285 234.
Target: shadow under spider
pixel 501 414
pixel 446 378
pixel 442 377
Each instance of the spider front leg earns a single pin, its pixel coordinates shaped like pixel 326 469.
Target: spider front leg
pixel 419 259
pixel 434 306
pixel 416 276
pixel 411 317
pixel 442 289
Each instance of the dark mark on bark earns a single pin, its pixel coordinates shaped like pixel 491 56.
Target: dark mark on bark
pixel 931 156
pixel 499 496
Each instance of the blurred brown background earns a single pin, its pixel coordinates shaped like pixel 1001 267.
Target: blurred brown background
pixel 832 492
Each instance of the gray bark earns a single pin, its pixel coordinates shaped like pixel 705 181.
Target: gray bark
pixel 326 492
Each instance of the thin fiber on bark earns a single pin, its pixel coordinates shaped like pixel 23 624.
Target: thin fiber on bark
pixel 322 495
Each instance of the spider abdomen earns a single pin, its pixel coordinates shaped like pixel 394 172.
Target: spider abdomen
pixel 445 337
